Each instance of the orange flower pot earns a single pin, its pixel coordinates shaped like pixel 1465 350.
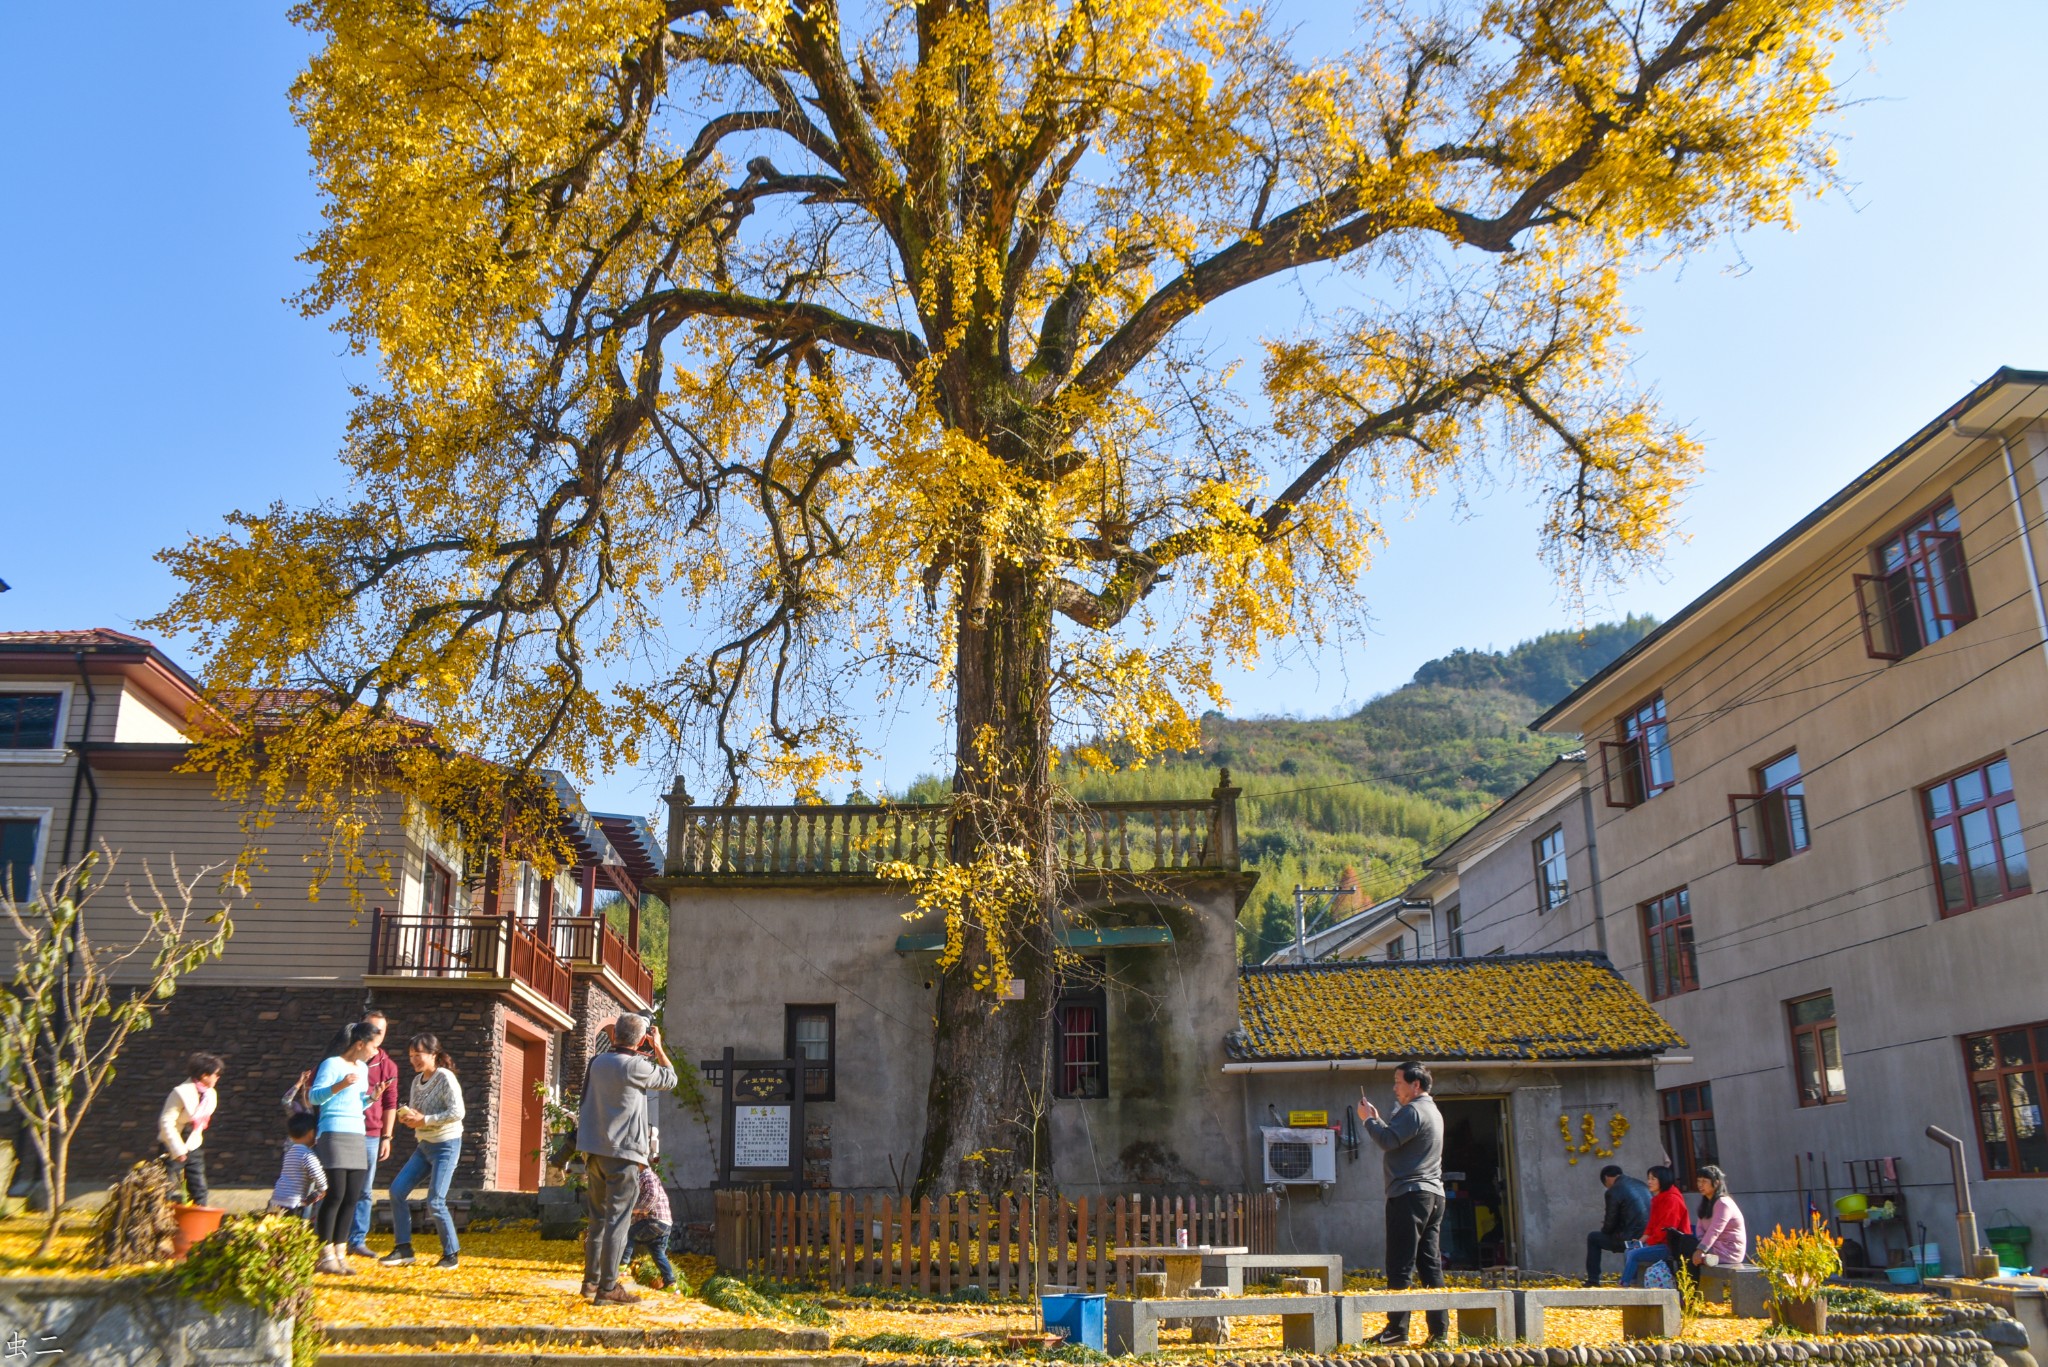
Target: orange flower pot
pixel 194 1224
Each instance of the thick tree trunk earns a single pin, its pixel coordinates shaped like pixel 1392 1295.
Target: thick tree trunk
pixel 985 1113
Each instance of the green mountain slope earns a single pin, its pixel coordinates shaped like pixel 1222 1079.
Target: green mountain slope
pixel 1360 801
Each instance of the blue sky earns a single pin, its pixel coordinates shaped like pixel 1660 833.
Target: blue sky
pixel 157 193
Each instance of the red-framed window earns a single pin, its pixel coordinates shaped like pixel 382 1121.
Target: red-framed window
pixel 1636 766
pixel 1770 823
pixel 1553 870
pixel 1081 1034
pixel 2008 1082
pixel 1816 1049
pixel 1686 1117
pixel 1975 837
pixel 1667 944
pixel 811 1033
pixel 1920 590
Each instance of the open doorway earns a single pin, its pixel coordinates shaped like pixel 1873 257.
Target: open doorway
pixel 1478 1192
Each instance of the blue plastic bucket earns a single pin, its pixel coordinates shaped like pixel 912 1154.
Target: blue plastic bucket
pixel 1080 1314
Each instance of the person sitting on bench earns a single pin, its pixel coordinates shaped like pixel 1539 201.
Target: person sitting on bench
pixel 1724 1237
pixel 1628 1210
pixel 1669 1225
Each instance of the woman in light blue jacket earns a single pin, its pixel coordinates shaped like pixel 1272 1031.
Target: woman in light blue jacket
pixel 341 1090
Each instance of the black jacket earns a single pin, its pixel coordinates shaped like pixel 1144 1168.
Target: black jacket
pixel 1628 1208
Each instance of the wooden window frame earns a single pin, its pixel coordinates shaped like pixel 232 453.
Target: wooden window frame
pixel 1998 1078
pixel 1770 811
pixel 1952 820
pixel 1545 902
pixel 39 819
pixel 1085 989
pixel 1878 607
pixel 1627 759
pixel 58 750
pixel 1816 1029
pixel 1654 953
pixel 791 1014
pixel 1682 1113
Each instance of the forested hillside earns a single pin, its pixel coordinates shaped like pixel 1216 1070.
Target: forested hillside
pixel 1360 801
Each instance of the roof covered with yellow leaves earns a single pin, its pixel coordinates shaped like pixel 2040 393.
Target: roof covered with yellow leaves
pixel 1529 1006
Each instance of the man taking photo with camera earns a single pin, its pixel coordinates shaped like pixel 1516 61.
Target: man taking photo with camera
pixel 615 1135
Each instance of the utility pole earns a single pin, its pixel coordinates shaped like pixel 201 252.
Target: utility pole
pixel 1301 896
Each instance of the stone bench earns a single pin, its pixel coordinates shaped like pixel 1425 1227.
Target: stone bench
pixel 1646 1312
pixel 1227 1269
pixel 1481 1314
pixel 1308 1324
pixel 1746 1289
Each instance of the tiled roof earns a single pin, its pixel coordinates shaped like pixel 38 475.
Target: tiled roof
pixel 1533 1006
pixel 71 640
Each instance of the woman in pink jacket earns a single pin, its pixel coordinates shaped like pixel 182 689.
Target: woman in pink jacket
pixel 1724 1238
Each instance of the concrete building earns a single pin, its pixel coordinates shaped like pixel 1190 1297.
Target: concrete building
pixel 1173 1070
pixel 1802 826
pixel 512 971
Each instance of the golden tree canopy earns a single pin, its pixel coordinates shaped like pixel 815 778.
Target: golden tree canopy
pixel 729 348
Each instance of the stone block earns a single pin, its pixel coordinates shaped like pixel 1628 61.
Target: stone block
pixel 1746 1289
pixel 1228 1270
pixel 1646 1312
pixel 1148 1286
pixel 1487 1314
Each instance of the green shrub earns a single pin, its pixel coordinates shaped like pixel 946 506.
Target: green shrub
pixel 740 1298
pixel 911 1343
pixel 266 1263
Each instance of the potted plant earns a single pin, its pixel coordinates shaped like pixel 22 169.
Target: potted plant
pixel 1799 1264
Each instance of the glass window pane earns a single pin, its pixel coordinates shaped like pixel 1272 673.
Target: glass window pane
pixel 1981 1052
pixel 1780 772
pixel 1657 755
pixel 1982 855
pixel 17 857
pixel 2012 843
pixel 1945 518
pixel 2029 1137
pixel 2012 1048
pixel 2000 773
pixel 1949 864
pixel 1795 816
pixel 1809 1066
pixel 1969 789
pixel 1814 1009
pixel 1706 1096
pixel 1684 974
pixel 1831 1060
pixel 1991 1127
pixel 1938 801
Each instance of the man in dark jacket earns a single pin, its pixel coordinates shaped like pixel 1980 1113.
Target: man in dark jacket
pixel 1628 1211
pixel 1411 1142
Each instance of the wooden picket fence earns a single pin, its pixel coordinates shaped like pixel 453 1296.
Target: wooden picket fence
pixel 1005 1245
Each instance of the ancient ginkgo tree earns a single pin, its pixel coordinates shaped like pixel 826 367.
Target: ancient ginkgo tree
pixel 733 352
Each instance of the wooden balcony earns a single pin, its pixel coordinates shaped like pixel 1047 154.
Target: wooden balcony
pixel 803 843
pixel 470 954
pixel 588 945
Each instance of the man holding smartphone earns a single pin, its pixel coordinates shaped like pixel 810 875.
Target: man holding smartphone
pixel 1411 1144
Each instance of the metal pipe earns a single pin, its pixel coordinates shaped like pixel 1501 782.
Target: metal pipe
pixel 2019 512
pixel 1966 1218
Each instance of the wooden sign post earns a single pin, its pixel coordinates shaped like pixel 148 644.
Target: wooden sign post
pixel 761 1110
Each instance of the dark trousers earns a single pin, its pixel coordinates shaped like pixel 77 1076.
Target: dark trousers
pixel 1599 1242
pixel 614 1185
pixel 651 1235
pixel 1415 1221
pixel 192 1167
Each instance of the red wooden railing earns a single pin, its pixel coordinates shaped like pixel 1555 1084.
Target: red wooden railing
pixel 465 947
pixel 588 942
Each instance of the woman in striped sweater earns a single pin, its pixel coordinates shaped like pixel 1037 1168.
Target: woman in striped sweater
pixel 435 1116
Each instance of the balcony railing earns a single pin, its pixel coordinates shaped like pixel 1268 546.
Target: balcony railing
pixel 587 942
pixel 466 947
pixel 1179 835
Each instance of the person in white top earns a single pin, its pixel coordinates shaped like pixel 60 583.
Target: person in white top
pixel 181 1125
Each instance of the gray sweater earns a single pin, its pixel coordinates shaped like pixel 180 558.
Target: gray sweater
pixel 612 1121
pixel 1411 1144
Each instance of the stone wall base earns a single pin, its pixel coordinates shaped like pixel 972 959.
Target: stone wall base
pixel 128 1322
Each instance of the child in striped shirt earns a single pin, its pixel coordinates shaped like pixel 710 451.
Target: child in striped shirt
pixel 301 1182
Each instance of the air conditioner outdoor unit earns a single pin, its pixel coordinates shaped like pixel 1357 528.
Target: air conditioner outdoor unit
pixel 1300 1157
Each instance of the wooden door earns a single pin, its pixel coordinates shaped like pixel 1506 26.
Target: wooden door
pixel 519 1113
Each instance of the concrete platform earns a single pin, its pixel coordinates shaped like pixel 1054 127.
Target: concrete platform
pixel 1308 1324
pixel 1481 1314
pixel 1227 1269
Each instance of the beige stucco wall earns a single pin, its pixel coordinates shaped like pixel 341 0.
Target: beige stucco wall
pixel 1783 666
